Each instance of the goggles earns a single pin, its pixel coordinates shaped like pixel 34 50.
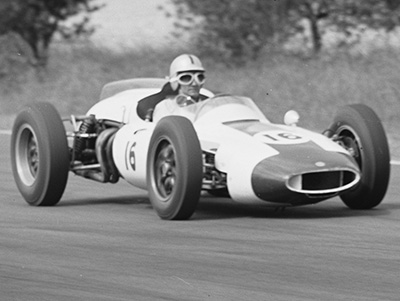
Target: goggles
pixel 187 78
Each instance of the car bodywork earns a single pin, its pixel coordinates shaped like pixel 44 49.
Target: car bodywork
pixel 255 160
pixel 224 145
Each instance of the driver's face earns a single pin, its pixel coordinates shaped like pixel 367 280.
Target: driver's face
pixel 192 89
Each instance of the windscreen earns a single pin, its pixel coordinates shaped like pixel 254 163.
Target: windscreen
pixel 228 108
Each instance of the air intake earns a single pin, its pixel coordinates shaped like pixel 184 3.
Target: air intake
pixel 323 181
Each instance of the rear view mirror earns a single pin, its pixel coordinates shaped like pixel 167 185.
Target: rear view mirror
pixel 291 118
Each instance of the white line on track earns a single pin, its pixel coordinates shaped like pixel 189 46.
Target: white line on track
pixel 8 132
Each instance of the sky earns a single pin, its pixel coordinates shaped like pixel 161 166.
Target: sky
pixel 131 23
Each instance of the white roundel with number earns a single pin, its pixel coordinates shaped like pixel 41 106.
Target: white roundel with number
pixel 280 137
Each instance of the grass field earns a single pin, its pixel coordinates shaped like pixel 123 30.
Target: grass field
pixel 314 87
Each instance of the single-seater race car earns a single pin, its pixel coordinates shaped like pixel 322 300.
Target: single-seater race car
pixel 223 145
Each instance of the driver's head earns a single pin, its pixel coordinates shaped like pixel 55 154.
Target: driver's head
pixel 187 74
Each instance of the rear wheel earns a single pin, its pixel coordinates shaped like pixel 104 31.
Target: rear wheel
pixel 39 154
pixel 174 168
pixel 360 131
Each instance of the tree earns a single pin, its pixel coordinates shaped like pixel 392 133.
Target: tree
pixel 239 29
pixel 343 16
pixel 37 21
pixel 313 11
pixel 235 29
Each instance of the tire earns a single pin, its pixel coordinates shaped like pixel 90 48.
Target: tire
pixel 174 168
pixel 39 154
pixel 360 130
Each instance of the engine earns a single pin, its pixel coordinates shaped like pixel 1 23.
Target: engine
pixel 91 148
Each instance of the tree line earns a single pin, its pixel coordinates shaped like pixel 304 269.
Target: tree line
pixel 236 30
pixel 239 29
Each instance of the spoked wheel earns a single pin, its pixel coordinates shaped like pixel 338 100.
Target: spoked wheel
pixel 165 170
pixel 174 168
pixel 358 129
pixel 39 154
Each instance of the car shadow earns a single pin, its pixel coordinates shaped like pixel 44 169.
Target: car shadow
pixel 219 208
pixel 212 208
pixel 119 200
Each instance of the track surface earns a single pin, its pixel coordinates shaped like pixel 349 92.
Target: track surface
pixel 104 242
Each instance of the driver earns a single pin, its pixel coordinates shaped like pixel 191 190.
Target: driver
pixel 187 76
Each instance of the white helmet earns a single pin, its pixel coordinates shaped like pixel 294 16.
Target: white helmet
pixel 185 62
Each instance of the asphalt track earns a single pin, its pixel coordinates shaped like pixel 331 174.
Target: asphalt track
pixel 104 242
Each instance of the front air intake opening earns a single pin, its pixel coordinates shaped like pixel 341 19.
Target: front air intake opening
pixel 321 181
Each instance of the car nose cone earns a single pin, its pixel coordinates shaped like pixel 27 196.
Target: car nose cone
pixel 306 177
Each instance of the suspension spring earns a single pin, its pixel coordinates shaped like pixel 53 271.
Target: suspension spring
pixel 80 143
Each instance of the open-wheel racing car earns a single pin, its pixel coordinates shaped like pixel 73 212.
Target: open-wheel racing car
pixel 223 145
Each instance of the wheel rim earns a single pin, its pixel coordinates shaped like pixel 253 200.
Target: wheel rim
pixel 27 155
pixel 165 170
pixel 351 142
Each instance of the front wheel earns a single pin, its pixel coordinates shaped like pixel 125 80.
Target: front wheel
pixel 360 131
pixel 39 154
pixel 174 168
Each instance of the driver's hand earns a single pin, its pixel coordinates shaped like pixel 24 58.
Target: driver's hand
pixel 184 100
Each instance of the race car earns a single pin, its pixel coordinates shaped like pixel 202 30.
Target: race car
pixel 223 145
